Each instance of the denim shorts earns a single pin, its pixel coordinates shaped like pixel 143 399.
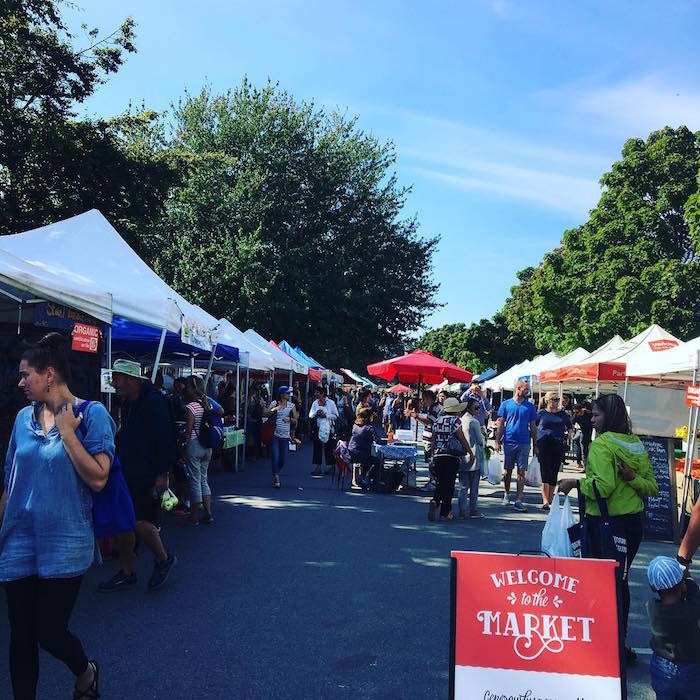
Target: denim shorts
pixel 515 453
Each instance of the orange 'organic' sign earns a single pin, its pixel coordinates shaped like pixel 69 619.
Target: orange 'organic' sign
pixel 85 338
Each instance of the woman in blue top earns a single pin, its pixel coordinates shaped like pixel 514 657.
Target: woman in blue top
pixel 552 430
pixel 46 538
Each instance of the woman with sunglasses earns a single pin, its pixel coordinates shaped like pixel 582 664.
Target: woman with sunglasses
pixel 553 426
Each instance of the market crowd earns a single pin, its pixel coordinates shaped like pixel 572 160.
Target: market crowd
pixel 73 474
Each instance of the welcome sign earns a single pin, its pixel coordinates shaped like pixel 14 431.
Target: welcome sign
pixel 529 628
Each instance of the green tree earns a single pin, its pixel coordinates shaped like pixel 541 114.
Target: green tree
pixel 490 343
pixel 290 220
pixel 51 165
pixel 633 263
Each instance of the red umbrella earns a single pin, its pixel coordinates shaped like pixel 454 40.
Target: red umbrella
pixel 399 389
pixel 418 367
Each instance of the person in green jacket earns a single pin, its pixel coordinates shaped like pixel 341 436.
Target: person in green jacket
pixel 620 467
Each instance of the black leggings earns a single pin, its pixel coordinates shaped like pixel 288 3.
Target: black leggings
pixel 445 467
pixel 322 450
pixel 39 610
pixel 551 455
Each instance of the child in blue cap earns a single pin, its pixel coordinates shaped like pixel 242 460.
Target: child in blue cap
pixel 675 636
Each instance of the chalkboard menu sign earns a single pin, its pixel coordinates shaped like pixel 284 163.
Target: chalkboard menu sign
pixel 660 511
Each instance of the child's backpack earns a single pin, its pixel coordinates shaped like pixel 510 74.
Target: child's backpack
pixel 211 430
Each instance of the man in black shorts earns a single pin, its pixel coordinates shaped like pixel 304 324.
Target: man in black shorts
pixel 146 447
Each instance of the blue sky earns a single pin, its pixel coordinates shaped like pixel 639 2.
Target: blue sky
pixel 504 113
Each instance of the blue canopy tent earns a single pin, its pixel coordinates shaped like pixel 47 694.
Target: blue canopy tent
pixel 308 359
pixel 299 357
pixel 485 376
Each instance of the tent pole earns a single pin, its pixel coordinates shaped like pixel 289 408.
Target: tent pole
pixel 245 412
pixel 415 421
pixel 688 467
pixel 109 362
pixel 209 366
pixel 238 395
pixel 159 354
pixel 291 378
pixel 624 393
pixel 597 388
pixel 192 366
pixel 306 400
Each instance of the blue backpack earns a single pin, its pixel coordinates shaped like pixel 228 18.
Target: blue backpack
pixel 211 430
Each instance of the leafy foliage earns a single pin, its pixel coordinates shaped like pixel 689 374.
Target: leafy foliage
pixel 636 261
pixel 288 220
pixel 52 166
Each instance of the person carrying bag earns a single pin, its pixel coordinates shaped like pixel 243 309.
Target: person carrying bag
pixel 618 476
pixel 451 445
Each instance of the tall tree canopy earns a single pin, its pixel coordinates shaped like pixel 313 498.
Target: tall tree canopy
pixel 289 220
pixel 636 261
pixel 51 165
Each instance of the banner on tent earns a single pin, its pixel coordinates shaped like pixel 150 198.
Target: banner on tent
pixel 663 344
pixel 533 627
pixel 50 315
pixel 195 333
pixel 86 338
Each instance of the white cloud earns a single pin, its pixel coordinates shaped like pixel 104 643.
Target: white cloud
pixel 635 107
pixel 571 195
pixel 500 164
pixel 499 7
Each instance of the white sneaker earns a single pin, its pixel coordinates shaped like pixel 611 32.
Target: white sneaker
pixel 506 500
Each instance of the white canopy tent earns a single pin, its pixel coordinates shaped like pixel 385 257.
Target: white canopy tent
pixel 653 340
pixel 22 281
pixel 507 379
pixel 605 352
pixel 682 364
pixel 539 364
pixel 678 363
pixel 255 358
pixel 280 359
pixel 86 251
pixel 573 357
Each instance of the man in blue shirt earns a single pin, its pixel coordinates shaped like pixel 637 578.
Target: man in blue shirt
pixel 516 420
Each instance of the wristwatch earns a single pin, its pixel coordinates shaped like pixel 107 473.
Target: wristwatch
pixel 683 561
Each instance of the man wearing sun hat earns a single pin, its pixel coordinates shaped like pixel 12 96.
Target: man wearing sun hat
pixel 146 447
pixel 675 640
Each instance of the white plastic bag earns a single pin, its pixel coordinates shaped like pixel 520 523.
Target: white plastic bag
pixel 555 536
pixel 495 474
pixel 324 430
pixel 533 475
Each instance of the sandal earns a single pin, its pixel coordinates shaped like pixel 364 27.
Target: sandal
pixel 93 691
pixel 449 516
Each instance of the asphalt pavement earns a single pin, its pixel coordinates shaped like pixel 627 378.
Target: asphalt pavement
pixel 301 592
